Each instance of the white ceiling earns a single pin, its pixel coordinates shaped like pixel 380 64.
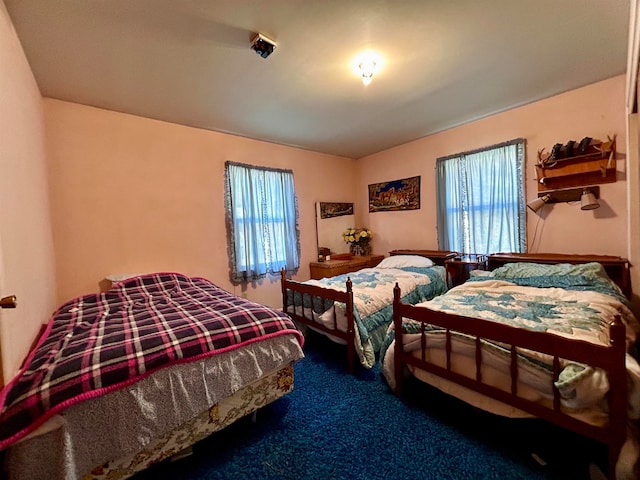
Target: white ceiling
pixel 447 62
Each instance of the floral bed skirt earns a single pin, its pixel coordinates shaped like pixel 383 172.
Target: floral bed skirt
pixel 243 402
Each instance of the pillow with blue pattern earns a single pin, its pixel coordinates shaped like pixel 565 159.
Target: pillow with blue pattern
pixel 592 270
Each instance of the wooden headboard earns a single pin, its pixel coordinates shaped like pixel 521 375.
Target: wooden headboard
pixel 616 267
pixel 438 256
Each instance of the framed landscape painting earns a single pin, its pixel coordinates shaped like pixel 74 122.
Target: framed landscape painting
pixel 395 195
pixel 335 209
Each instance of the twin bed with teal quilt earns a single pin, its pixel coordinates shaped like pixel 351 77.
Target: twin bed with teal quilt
pixel 356 308
pixel 531 337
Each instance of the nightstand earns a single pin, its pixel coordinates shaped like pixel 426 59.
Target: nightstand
pixel 342 265
pixel 458 267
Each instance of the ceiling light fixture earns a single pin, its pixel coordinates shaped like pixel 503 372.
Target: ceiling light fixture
pixel 367 69
pixel 366 65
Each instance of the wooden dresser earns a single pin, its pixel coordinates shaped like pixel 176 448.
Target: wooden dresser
pixel 344 263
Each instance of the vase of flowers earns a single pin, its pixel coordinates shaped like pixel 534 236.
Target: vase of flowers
pixel 359 240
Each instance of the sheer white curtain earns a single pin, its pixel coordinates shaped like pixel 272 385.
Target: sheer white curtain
pixel 262 217
pixel 481 201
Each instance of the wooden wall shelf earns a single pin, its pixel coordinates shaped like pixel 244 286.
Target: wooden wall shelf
pixel 596 166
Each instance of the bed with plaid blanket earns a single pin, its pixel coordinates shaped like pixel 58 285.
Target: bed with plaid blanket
pixel 99 343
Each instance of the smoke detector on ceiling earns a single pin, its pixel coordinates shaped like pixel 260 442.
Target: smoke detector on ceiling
pixel 262 45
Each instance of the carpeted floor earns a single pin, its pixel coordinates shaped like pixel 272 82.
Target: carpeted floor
pixel 340 426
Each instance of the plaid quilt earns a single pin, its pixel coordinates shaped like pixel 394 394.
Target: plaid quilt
pixel 101 342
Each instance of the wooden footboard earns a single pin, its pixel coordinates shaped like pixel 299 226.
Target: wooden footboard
pixel 610 358
pixel 323 297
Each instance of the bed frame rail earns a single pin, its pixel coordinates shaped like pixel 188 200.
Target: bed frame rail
pixel 610 358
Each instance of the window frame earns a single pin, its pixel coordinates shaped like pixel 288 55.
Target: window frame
pixel 261 208
pixel 467 187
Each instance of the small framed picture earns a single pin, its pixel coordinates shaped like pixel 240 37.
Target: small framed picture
pixel 334 209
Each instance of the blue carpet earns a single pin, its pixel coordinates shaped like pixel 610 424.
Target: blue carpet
pixel 339 426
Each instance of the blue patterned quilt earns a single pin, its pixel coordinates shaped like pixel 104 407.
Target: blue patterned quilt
pixel 373 301
pixel 577 305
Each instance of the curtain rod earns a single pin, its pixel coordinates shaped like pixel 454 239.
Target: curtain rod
pixel 258 167
pixel 483 149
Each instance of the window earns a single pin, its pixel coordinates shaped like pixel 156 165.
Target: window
pixel 480 200
pixel 262 216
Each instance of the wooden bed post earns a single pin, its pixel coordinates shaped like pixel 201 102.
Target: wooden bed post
pixel 398 348
pixel 283 279
pixel 351 347
pixel 617 393
pixel 610 358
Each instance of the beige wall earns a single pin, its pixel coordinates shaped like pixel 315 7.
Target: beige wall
pixel 135 195
pixel 597 110
pixel 131 194
pixel 26 252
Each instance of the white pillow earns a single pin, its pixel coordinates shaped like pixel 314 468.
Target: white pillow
pixel 119 277
pixel 400 261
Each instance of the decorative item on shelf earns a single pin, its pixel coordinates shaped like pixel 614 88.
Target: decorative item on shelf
pixel 576 164
pixel 323 253
pixel 584 145
pixel 358 240
pixel 587 147
pixel 606 148
pixel 569 148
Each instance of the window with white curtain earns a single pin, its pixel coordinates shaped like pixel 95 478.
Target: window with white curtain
pixel 262 217
pixel 481 201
